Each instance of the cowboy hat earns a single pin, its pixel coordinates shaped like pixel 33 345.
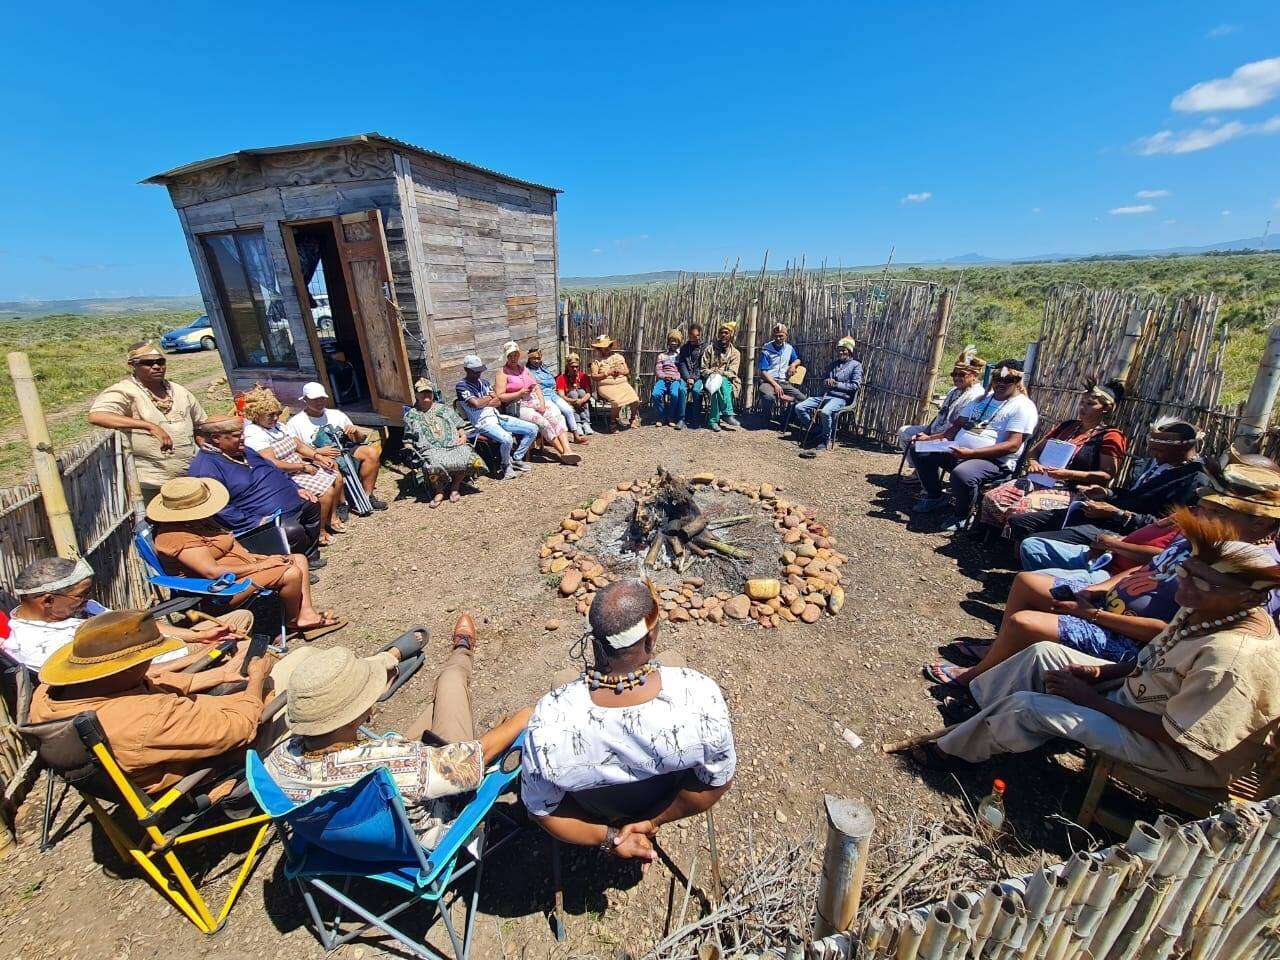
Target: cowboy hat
pixel 603 342
pixel 333 688
pixel 187 498
pixel 105 645
pixel 1244 488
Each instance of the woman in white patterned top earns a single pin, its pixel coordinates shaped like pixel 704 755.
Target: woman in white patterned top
pixel 632 744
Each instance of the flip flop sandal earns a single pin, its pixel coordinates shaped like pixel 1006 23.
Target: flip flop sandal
pixel 942 673
pixel 455 497
pixel 321 630
pixel 436 501
pixel 410 644
pixel 977 649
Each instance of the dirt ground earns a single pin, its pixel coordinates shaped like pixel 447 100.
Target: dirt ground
pixel 909 590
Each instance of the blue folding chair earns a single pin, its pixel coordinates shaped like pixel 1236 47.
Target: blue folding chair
pixel 363 832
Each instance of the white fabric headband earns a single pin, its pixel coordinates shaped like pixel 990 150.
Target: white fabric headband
pixel 628 637
pixel 81 573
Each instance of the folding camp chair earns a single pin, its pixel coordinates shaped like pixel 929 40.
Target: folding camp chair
pixel 363 832
pixel 78 751
pixel 357 499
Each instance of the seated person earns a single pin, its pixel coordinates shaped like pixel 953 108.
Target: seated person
pixel 573 386
pixel 53 595
pixel 1006 419
pixel 317 414
pixel 840 384
pixel 516 386
pixel 190 542
pixel 1131 550
pixel 1199 707
pixel 1169 480
pixel 720 363
pixel 629 745
pixel 439 437
pixel 256 487
pixel 332 694
pixel 609 374
pixel 689 363
pixel 482 406
pixel 966 387
pixel 308 467
pixel 160 727
pixel 1114 619
pixel 546 380
pixel 778 361
pixel 668 396
pixel 1099 451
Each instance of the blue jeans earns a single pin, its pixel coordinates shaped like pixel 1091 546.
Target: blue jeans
pixel 666 395
pixel 826 407
pixel 504 433
pixel 1040 553
pixel 570 415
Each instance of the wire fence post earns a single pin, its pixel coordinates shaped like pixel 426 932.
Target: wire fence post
pixel 844 863
pixel 1257 409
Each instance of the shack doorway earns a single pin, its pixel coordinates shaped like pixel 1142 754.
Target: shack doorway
pixel 343 277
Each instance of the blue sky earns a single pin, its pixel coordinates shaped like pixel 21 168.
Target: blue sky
pixel 682 134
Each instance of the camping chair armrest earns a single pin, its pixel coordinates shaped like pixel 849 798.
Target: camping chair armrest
pixel 225 586
pixel 177 604
pixel 272 707
pixel 182 789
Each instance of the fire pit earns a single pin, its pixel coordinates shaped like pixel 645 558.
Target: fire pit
pixel 715 550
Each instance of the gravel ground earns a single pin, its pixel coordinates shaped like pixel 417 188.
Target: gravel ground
pixel 909 590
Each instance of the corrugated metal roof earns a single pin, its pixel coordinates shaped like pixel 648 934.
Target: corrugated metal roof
pixel 373 138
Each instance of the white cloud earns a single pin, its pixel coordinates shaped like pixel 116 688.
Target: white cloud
pixel 643 236
pixel 1276 204
pixel 1035 209
pixel 1249 86
pixel 917 197
pixel 1226 213
pixel 1202 138
pixel 596 250
pixel 1126 211
pixel 1169 223
pixel 1153 194
pixel 1222 30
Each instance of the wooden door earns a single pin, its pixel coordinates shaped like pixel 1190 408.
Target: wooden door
pixel 367 266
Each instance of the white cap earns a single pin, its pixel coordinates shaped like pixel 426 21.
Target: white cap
pixel 510 347
pixel 314 391
pixel 472 362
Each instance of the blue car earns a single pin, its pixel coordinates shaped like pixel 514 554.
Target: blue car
pixel 197 336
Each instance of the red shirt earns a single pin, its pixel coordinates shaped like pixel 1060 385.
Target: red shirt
pixel 1152 535
pixel 580 382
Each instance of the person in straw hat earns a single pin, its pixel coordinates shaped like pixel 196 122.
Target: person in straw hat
pixel 190 541
pixel 840 384
pixel 1200 706
pixel 966 387
pixel 669 393
pixel 158 415
pixel 1113 619
pixel 53 595
pixel 160 727
pixel 438 436
pixel 332 695
pixel 610 373
pixel 515 384
pixel 720 364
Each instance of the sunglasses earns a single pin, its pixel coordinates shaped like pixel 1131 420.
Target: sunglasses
pixel 159 362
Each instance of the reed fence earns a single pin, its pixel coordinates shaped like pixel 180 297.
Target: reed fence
pixel 899 325
pixel 1168 352
pixel 93 475
pixel 1208 890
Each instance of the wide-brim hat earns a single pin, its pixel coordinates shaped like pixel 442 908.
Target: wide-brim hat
pixel 187 498
pixel 1244 488
pixel 332 688
pixel 105 645
pixel 603 342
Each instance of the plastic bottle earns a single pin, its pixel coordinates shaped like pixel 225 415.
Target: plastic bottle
pixel 991 809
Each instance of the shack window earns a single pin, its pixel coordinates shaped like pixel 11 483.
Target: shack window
pixel 250 297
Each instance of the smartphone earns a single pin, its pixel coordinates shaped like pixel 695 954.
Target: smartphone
pixel 1063 591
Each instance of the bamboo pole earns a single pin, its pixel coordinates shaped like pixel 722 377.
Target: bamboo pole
pixel 46 462
pixel 749 378
pixel 939 343
pixel 1257 409
pixel 844 863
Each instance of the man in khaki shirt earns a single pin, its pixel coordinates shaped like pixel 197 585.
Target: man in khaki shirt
pixel 160 728
pixel 158 414
pixel 1200 707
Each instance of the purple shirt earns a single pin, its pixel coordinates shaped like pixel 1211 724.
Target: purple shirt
pixel 258 488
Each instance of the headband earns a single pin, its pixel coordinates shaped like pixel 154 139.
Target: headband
pixel 1104 394
pixel 1242 561
pixel 848 343
pixel 144 351
pixel 1007 373
pixel 219 424
pixel 81 573
pixel 634 633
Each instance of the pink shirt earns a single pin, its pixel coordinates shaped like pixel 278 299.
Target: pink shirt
pixel 518 381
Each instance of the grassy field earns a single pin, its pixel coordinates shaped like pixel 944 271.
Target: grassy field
pixel 73 357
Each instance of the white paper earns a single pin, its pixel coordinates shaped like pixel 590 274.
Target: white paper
pixel 1055 455
pixel 933 446
pixel 974 441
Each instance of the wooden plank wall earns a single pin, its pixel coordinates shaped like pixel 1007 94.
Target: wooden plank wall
pixel 489 260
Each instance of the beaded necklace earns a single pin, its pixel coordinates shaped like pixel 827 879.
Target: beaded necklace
pixel 163 404
pixel 618 682
pixel 1175 632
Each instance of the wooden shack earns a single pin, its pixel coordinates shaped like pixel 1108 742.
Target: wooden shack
pixel 365 262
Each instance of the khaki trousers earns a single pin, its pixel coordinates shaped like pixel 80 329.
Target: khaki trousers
pixel 449 716
pixel 1018 715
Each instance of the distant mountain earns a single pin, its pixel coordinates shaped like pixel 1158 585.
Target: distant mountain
pixel 21 309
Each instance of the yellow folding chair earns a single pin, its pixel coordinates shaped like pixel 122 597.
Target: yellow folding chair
pixel 151 832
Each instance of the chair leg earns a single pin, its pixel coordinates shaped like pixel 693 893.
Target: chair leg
pixel 557 902
pixel 47 826
pixel 715 853
pixel 1097 785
